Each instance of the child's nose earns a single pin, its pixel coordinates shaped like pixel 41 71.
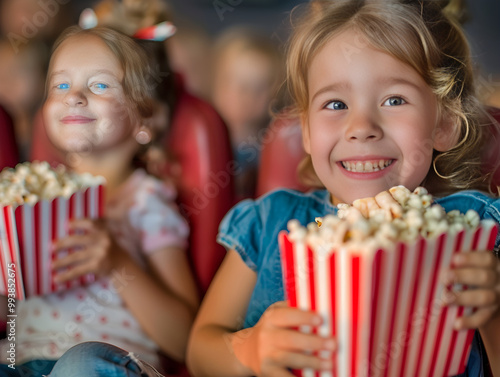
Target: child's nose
pixel 363 127
pixel 75 97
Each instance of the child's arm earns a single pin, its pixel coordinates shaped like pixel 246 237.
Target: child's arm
pixel 164 303
pixel 481 272
pixel 217 348
pixel 490 334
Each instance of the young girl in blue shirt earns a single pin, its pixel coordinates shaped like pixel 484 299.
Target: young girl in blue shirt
pixel 385 94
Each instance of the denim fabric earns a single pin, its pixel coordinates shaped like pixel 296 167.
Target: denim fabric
pixel 33 368
pixel 252 227
pixel 92 359
pixel 477 359
pixel 487 207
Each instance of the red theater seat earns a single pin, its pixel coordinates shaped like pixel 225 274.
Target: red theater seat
pixel 491 153
pixel 8 148
pixel 199 140
pixel 282 151
pixel 41 148
pixel 8 158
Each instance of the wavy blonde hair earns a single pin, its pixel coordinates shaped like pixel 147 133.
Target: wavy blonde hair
pixel 421 34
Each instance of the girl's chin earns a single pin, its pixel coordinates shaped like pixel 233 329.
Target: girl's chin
pixel 74 147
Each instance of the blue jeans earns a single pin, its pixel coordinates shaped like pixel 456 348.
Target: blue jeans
pixel 92 359
pixel 34 368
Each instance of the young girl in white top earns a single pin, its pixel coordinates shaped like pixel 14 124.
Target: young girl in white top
pixel 98 110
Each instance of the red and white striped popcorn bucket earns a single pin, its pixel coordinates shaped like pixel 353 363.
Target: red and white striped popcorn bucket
pixel 384 306
pixel 26 234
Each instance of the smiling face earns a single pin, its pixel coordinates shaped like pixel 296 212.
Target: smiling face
pixel 86 107
pixel 372 121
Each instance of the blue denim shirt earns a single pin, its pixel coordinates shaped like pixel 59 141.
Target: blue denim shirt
pixel 252 226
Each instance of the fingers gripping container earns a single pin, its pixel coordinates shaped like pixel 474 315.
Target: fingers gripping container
pixel 26 234
pixel 384 305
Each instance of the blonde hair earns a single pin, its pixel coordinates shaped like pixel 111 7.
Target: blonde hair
pixel 138 79
pixel 127 17
pixel 421 34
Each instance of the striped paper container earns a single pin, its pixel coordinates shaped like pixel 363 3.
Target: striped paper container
pixel 26 233
pixel 384 306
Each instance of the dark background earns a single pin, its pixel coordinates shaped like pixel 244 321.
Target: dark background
pixel 482 28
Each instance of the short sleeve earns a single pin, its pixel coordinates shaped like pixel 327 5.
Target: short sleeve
pixel 493 212
pixel 486 206
pixel 156 218
pixel 240 230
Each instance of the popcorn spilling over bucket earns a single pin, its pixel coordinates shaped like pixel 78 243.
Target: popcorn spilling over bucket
pixel 378 288
pixel 36 205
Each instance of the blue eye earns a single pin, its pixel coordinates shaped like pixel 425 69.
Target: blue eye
pixel 336 105
pixel 62 86
pixel 98 88
pixel 394 101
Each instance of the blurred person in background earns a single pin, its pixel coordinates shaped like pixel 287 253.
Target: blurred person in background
pixel 489 89
pixel 190 52
pixel 39 21
pixel 27 30
pixel 247 71
pixel 22 81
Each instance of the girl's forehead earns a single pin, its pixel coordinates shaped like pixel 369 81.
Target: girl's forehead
pixel 346 39
pixel 84 51
pixel 351 46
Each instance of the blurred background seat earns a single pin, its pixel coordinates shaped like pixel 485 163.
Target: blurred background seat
pixel 199 141
pixel 282 152
pixel 8 147
pixel 8 158
pixel 41 147
pixel 491 153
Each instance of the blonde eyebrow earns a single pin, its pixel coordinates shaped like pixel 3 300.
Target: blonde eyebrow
pixel 52 74
pixel 398 81
pixel 382 81
pixel 98 72
pixel 331 88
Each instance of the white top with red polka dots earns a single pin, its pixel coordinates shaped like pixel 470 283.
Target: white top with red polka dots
pixel 144 219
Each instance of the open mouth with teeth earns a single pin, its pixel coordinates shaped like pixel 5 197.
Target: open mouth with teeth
pixel 366 166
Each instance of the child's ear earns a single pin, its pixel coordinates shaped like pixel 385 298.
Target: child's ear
pixel 447 133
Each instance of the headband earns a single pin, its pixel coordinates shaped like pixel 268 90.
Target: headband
pixel 158 32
